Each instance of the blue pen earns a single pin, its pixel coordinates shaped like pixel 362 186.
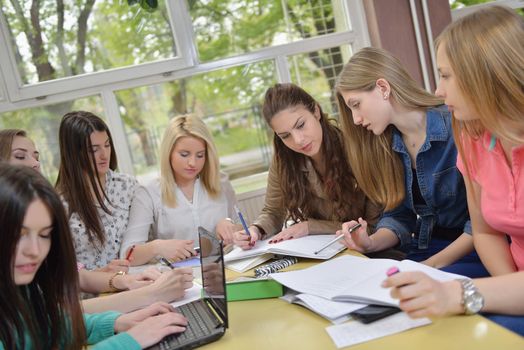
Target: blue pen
pixel 241 217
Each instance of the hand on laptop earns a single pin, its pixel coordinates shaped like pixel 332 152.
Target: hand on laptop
pixel 245 241
pixel 300 229
pixel 149 325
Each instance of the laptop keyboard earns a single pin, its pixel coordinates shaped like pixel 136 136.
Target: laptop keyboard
pixel 199 324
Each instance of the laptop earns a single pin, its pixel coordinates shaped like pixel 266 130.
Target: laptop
pixel 207 317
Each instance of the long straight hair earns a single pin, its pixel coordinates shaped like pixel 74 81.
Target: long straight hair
pixel 338 180
pixel 187 126
pixel 77 176
pixel 47 310
pixel 377 168
pixel 486 53
pixel 7 137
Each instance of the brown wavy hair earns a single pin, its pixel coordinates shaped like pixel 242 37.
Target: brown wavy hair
pixel 77 175
pixel 47 310
pixel 339 183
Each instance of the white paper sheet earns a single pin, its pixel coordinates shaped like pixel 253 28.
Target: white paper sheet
pixel 335 311
pixel 350 278
pixel 243 265
pixel 191 294
pixel 301 247
pixel 354 332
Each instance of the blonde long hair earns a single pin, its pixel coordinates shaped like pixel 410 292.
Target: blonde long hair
pixel 378 170
pixel 486 53
pixel 192 126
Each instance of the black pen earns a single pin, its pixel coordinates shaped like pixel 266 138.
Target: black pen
pixel 336 239
pixel 166 262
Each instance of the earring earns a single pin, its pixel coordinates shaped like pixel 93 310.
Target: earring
pixel 385 96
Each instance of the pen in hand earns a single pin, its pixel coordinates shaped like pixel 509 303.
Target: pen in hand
pixel 241 218
pixel 130 252
pixel 336 239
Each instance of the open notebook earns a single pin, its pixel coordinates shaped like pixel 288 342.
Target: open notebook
pixel 354 279
pixel 303 247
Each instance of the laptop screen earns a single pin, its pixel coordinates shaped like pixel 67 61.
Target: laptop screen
pixel 213 277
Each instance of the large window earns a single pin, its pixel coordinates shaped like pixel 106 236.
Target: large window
pixel 214 58
pixel 227 100
pixel 55 39
pixel 228 27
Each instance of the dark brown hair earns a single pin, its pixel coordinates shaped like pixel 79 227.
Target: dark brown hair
pixel 339 182
pixel 47 310
pixel 77 175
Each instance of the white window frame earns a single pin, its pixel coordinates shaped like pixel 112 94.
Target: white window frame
pixel 108 82
pixel 461 12
pixel 186 55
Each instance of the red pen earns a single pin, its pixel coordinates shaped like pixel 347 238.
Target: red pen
pixel 130 252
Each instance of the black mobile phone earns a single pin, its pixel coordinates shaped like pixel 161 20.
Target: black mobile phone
pixel 373 313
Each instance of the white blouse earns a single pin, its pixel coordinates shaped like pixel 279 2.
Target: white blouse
pixel 150 219
pixel 120 189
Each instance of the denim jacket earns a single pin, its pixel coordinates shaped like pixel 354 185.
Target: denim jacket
pixel 440 182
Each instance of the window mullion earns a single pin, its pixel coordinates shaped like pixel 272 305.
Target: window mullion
pixel 125 162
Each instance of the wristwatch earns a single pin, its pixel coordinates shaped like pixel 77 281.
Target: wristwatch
pixel 111 285
pixel 472 300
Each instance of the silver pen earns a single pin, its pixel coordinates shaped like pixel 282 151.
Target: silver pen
pixel 336 239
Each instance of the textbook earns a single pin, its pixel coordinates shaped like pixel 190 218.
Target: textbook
pixel 304 247
pixel 353 279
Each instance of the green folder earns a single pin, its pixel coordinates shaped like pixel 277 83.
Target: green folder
pixel 252 288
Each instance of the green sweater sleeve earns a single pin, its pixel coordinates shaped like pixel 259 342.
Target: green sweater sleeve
pixel 101 334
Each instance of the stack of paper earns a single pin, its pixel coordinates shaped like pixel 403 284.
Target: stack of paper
pixel 335 311
pixel 354 279
pixel 243 265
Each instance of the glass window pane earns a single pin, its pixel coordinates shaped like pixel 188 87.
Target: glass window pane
pixel 228 100
pixel 42 124
pixel 229 27
pixel 84 37
pixel 316 73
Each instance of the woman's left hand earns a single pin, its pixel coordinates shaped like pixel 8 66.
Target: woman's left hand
pixel 300 229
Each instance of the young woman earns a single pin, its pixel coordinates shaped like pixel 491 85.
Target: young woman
pixel 309 181
pixel 144 288
pixel 480 58
pixel 39 293
pixel 400 145
pixel 190 192
pixel 17 148
pixel 97 198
